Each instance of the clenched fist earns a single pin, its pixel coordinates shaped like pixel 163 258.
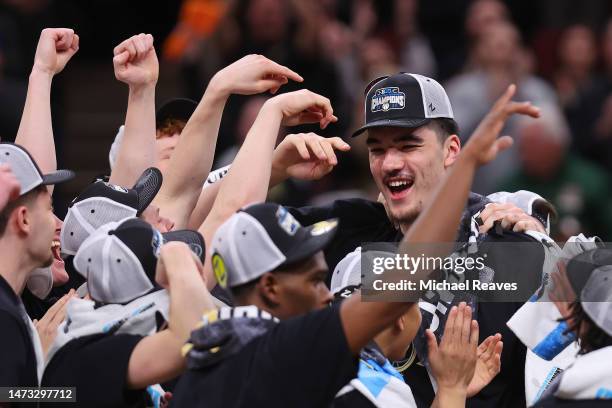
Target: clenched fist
pixel 55 48
pixel 135 61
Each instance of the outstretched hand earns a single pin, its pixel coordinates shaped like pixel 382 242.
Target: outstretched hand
pixel 55 48
pixel 453 361
pixel 135 61
pixel 253 74
pixel 488 364
pixel 307 156
pixel 484 144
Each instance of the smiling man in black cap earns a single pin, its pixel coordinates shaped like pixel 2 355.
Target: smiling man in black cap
pixel 27 228
pixel 413 141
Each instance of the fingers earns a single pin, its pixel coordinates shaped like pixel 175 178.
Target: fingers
pixel 282 70
pixel 505 98
pixel 465 327
pixel 329 152
pixel 339 144
pixel 473 333
pixel 449 328
pixel 301 147
pixel 136 46
pixel 122 58
pixel 432 343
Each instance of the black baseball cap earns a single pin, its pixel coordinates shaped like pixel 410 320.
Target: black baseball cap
pixel 261 238
pixel 102 202
pixel 25 169
pixel 177 108
pixel 404 100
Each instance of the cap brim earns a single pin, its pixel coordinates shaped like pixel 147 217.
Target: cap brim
pixel 403 123
pixel 193 239
pixel 57 177
pixel 147 187
pixel 178 108
pixel 317 238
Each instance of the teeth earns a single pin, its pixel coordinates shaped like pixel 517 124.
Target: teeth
pixel 55 244
pixel 398 183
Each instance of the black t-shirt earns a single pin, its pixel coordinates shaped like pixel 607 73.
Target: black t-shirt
pixel 553 402
pixel 97 366
pixel 366 221
pixel 300 362
pixel 17 356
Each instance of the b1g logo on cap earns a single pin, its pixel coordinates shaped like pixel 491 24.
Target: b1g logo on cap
pixel 116 187
pixel 385 99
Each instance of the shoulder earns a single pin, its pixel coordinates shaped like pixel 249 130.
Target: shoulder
pixel 348 208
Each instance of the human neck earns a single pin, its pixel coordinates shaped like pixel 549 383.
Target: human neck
pixel 15 267
pixel 405 226
pixel 384 343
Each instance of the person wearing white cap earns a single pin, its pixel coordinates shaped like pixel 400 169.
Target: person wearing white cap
pixel 27 227
pixel 378 383
pixel 145 294
pixel 245 357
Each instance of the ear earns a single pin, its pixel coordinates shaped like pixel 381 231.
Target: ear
pixel 399 324
pixel 21 220
pixel 269 289
pixel 452 148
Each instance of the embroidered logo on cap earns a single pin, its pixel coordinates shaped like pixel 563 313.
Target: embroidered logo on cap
pixel 116 187
pixel 219 269
pixel 156 242
pixel 385 99
pixel 286 221
pixel 322 227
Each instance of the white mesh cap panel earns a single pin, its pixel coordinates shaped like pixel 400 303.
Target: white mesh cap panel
pixel 86 216
pixel 247 250
pixel 435 100
pixel 21 166
pixel 114 273
pixel 347 272
pixel 596 298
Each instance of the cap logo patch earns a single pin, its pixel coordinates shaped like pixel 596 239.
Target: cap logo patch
pixel 385 99
pixel 156 242
pixel 286 221
pixel 322 227
pixel 219 269
pixel 116 187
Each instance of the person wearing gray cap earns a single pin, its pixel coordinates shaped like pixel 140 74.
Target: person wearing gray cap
pixel 274 268
pixel 587 382
pixel 145 294
pixel 27 229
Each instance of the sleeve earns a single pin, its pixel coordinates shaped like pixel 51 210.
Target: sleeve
pixel 97 367
pixel 13 352
pixel 312 214
pixel 313 350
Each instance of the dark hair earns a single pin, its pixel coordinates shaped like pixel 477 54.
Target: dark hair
pixel 25 199
pixel 590 336
pixel 170 126
pixel 444 127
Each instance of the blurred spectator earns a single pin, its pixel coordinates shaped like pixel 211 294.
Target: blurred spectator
pixel 577 57
pixel 591 116
pixel 481 15
pixel 499 60
pixel 578 189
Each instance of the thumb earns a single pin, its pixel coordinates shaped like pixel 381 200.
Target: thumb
pixel 432 343
pixel 504 142
pixel 121 59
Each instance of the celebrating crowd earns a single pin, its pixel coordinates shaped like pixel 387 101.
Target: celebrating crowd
pixel 182 286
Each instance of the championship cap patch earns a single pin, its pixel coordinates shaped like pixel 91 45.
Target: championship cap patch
pixel 385 99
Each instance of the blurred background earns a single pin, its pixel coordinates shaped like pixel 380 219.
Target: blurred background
pixel 559 52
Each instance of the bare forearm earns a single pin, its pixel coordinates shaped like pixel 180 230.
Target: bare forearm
pixel 192 159
pixel 35 129
pixel 248 178
pixel 137 151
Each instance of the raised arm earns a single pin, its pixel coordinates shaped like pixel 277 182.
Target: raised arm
pixel 55 48
pixel 247 180
pixel 440 218
pixel 158 358
pixel 192 159
pixel 304 156
pixel 135 64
